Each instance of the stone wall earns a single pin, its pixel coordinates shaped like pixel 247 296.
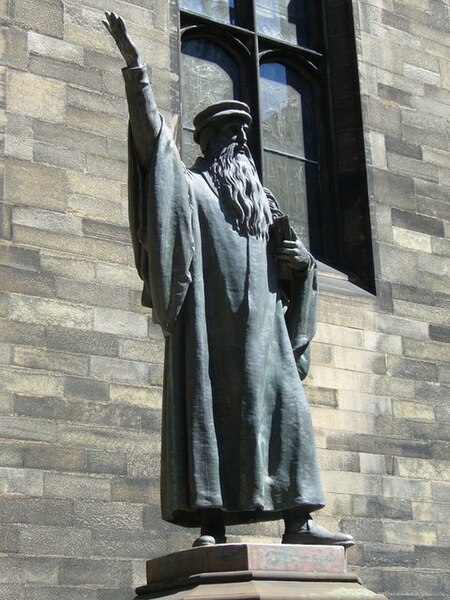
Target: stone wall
pixel 81 361
pixel 404 452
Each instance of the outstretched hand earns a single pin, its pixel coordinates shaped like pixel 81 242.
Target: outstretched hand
pixel 117 28
pixel 293 254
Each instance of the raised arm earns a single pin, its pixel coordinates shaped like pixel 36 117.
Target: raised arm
pixel 144 118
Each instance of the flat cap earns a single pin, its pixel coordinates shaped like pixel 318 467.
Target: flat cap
pixel 219 110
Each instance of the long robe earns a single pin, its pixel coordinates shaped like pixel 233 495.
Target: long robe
pixel 236 432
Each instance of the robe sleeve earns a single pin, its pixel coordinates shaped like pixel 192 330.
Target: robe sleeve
pixel 301 316
pixel 301 292
pixel 160 217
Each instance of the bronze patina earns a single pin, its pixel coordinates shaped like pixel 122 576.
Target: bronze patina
pixel 234 291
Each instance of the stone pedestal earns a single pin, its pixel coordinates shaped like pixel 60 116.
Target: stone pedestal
pixel 254 572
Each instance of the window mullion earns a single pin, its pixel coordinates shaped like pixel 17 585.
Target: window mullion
pixel 256 112
pixel 255 139
pixel 252 14
pixel 291 155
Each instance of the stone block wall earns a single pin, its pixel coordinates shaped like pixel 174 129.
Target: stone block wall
pixel 404 66
pixel 81 361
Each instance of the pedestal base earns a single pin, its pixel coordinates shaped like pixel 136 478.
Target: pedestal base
pixel 253 572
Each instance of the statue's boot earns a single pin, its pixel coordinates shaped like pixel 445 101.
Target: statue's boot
pixel 204 540
pixel 212 530
pixel 303 530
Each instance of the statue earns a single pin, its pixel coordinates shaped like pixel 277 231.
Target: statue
pixel 234 292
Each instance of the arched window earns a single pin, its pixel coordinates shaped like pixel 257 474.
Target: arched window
pixel 210 74
pixel 290 157
pixel 279 56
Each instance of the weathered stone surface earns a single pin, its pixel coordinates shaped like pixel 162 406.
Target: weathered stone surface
pixel 104 573
pixel 247 557
pixel 20 258
pixel 111 543
pixel 413 410
pixel 94 294
pixel 373 506
pixel 134 490
pixel 59 157
pixel 47 220
pixel 114 463
pixel 9 538
pixel 109 516
pixel 26 282
pixel 58 485
pixel 55 541
pixel 415 222
pixel 27 381
pixel 120 322
pixel 83 342
pixel 23 481
pixel 86 388
pixel 51 361
pixel 440 333
pixel 51 457
pixel 105 230
pixel 37 511
pixel 253 570
pixel 53 47
pixel 28 95
pixel 410 533
pixel 24 183
pixel 47 20
pixel 50 312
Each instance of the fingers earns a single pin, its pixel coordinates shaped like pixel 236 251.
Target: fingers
pixel 293 262
pixel 113 22
pixel 111 16
pixel 292 253
pixel 283 258
pixel 294 244
pixel 107 25
pixel 121 24
pixel 287 251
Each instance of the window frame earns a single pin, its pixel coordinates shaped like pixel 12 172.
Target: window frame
pixel 313 65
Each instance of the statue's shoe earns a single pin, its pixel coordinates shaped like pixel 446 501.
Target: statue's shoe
pixel 208 540
pixel 313 533
pixel 204 540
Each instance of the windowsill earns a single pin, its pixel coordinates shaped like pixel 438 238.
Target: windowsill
pixel 333 281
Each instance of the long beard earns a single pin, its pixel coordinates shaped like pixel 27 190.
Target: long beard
pixel 239 187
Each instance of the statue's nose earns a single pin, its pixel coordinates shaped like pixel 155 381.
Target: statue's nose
pixel 242 136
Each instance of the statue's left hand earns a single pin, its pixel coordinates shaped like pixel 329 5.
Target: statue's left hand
pixel 293 254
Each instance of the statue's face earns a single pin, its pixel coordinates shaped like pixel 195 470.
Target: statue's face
pixel 222 134
pixel 235 176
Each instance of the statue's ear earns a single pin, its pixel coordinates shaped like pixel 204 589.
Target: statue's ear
pixel 203 143
pixel 205 139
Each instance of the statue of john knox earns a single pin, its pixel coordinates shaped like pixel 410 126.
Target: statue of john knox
pixel 237 305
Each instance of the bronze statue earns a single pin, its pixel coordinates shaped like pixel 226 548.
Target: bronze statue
pixel 234 291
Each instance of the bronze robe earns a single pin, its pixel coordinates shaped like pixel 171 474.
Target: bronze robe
pixel 236 433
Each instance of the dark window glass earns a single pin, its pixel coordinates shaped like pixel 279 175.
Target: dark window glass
pixel 289 140
pixel 283 19
pixel 219 10
pixel 294 62
pixel 287 112
pixel 208 74
pixel 286 179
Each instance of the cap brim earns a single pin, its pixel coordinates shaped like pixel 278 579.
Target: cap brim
pixel 239 114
